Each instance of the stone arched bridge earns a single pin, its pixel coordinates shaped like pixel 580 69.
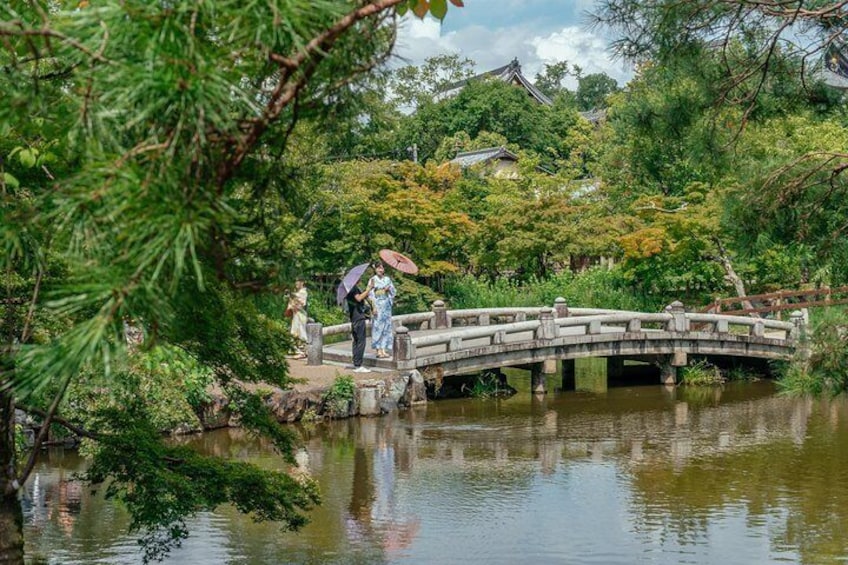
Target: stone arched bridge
pixel 453 342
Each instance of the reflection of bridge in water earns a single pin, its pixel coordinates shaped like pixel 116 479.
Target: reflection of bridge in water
pixel 554 430
pixel 449 342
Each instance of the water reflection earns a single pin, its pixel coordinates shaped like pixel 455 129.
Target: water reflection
pixel 621 475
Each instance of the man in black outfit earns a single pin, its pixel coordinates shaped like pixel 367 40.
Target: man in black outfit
pixel 356 307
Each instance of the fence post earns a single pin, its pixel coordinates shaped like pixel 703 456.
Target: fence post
pixel 314 344
pixel 560 308
pixel 441 320
pixel 404 350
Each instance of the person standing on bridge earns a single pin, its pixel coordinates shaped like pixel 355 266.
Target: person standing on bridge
pixel 383 297
pixel 358 311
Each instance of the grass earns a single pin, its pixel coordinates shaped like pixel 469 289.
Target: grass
pixel 488 385
pixel 702 373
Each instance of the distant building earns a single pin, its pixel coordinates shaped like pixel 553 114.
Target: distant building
pixel 499 161
pixel 834 71
pixel 512 74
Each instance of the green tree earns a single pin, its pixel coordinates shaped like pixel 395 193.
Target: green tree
pixel 593 89
pixel 550 80
pixel 412 86
pixel 381 204
pixel 495 107
pixel 153 150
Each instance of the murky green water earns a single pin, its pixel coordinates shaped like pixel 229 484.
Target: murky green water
pixel 624 475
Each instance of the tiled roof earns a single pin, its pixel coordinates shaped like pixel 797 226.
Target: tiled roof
pixel 507 73
pixel 595 115
pixel 469 158
pixel 834 70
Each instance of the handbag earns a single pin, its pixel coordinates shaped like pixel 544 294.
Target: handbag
pixel 289 312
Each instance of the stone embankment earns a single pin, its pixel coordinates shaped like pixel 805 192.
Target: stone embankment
pixel 376 393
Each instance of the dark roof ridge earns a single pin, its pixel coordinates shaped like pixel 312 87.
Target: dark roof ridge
pixel 494 149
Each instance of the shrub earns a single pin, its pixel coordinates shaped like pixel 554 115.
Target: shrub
pixel 825 368
pixel 339 395
pixel 595 288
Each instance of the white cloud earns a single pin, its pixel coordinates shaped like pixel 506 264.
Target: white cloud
pixel 580 47
pixel 491 48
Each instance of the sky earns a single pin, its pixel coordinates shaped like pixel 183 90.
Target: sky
pixel 494 32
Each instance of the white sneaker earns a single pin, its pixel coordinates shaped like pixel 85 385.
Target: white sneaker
pixel 361 370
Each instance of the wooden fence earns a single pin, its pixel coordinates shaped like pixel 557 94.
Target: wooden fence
pixel 777 302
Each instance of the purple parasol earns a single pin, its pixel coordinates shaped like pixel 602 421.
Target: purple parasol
pixel 349 281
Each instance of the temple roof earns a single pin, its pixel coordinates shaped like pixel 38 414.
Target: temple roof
pixel 469 158
pixel 834 71
pixel 510 73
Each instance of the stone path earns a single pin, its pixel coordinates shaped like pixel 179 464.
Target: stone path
pixel 312 377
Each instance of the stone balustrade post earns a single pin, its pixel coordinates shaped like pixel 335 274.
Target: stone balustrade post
pixel 483 319
pixel 547 326
pixel 799 334
pixel 560 308
pixel 314 344
pixel 799 329
pixel 441 320
pixel 679 322
pixel 404 349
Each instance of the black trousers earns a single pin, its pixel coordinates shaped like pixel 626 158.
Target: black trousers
pixel 358 330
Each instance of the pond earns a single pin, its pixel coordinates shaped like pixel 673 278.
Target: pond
pixel 635 474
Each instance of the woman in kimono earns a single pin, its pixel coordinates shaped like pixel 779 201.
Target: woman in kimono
pixel 382 297
pixel 297 305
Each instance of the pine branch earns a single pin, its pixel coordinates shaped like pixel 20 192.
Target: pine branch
pixel 303 64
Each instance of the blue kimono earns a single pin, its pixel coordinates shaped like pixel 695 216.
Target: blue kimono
pixel 383 296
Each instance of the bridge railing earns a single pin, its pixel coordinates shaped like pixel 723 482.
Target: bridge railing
pixel 440 317
pixel 480 327
pixel 547 327
pixel 756 327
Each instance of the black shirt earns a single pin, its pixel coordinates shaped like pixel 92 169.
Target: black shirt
pixel 355 308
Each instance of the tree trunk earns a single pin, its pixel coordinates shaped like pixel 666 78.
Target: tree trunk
pixel 735 279
pixel 11 515
pixel 11 531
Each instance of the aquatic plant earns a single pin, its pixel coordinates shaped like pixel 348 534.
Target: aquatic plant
pixel 701 373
